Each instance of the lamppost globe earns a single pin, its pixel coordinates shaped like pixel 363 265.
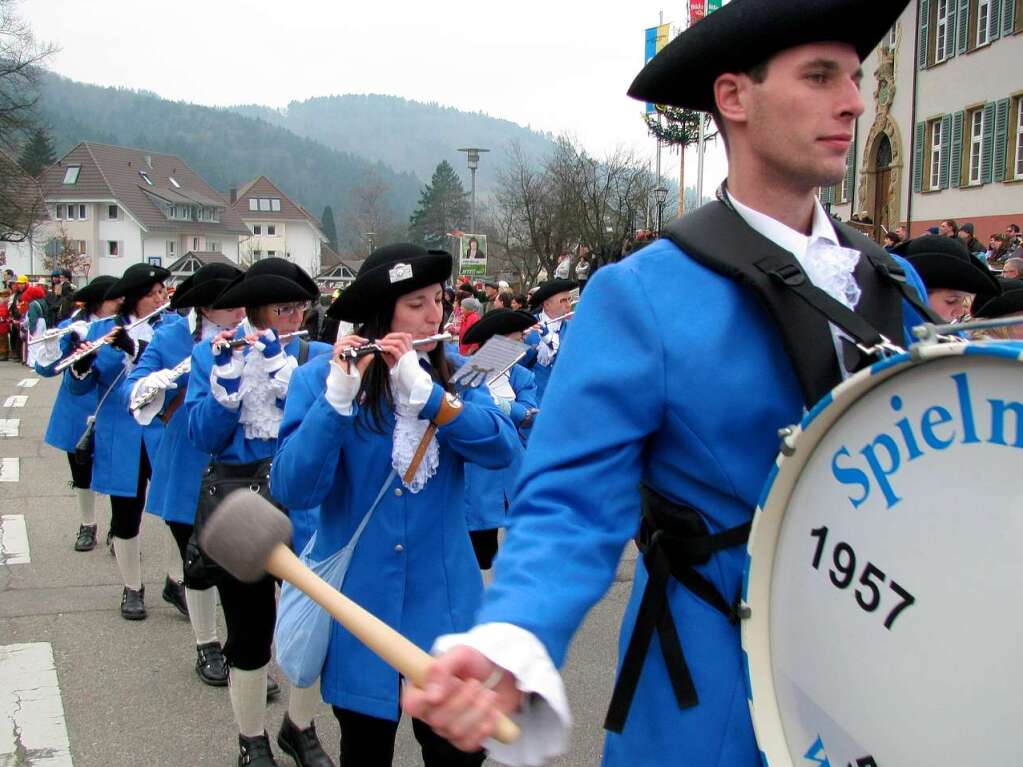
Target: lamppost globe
pixel 660 195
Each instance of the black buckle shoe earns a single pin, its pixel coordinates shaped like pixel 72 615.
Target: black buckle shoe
pixel 133 606
pixel 302 745
pixel 273 690
pixel 86 538
pixel 255 752
pixel 174 594
pixel 210 664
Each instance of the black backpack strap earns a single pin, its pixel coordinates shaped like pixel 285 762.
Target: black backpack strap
pixel 303 352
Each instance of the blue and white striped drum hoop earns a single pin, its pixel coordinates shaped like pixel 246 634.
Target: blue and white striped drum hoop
pixel 884 576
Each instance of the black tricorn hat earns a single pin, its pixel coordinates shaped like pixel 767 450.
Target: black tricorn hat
pixel 268 281
pixel 746 33
pixel 203 287
pixel 388 273
pixel 95 291
pixel 135 278
pixel 1009 301
pixel 498 323
pixel 551 288
pixel 944 262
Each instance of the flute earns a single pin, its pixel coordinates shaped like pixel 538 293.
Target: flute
pixel 73 358
pixel 362 351
pixel 556 319
pixel 238 343
pixel 54 333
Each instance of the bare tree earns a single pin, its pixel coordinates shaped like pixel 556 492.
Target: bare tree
pixel 63 253
pixel 20 58
pixel 369 211
pixel 22 207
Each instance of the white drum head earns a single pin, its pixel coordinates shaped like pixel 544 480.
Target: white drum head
pixel 884 572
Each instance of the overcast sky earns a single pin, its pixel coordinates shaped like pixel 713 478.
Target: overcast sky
pixel 561 65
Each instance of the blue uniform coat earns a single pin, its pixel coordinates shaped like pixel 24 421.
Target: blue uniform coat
pixel 414 566
pixel 487 489
pixel 689 403
pixel 543 372
pixel 70 411
pixel 119 438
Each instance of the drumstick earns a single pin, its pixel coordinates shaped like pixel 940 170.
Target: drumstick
pixel 248 537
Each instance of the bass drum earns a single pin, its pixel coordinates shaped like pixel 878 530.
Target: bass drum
pixel 881 621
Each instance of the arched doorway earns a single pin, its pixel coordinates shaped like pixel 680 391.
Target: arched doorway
pixel 882 187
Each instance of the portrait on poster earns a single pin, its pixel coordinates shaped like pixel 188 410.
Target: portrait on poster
pixel 473 254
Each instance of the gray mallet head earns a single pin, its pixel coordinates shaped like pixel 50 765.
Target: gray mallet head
pixel 242 532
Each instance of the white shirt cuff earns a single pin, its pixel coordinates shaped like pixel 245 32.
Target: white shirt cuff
pixel 342 387
pixel 545 719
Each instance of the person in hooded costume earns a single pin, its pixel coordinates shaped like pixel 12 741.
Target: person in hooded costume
pixel 70 412
pixel 124 450
pixel 179 466
pixel 234 406
pixel 488 492
pixel 656 420
pixel 384 441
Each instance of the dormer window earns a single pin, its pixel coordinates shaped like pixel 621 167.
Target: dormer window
pixel 174 182
pixel 253 203
pixel 145 177
pixel 71 174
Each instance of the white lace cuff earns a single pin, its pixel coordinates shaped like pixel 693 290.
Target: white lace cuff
pixel 342 387
pixel 412 385
pixel 544 718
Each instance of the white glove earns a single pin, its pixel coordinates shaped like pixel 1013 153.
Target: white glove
pixel 342 387
pixel 158 382
pixel 411 384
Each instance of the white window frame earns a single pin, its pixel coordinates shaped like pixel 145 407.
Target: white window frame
pixel 113 248
pixel 83 248
pixel 934 176
pixel 117 212
pixel 264 204
pixel 275 205
pixel 977 120
pixel 271 254
pixel 1019 139
pixel 257 229
pixel 61 212
pixel 983 22
pixel 893 36
pixel 253 203
pixel 71 174
pixel 145 177
pixel 170 248
pixel 941 30
pixel 271 230
pixel 83 212
pixel 195 244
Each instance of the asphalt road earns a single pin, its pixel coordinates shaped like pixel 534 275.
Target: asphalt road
pixel 129 693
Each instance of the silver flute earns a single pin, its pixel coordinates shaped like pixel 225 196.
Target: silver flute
pixel 238 343
pixel 362 351
pixel 73 358
pixel 54 333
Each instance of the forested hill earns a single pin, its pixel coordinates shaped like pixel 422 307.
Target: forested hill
pixel 224 147
pixel 404 134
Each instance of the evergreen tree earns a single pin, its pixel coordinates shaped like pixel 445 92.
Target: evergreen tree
pixel 37 155
pixel 329 227
pixel 443 206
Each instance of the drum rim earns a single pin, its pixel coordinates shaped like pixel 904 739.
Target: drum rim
pixel 761 697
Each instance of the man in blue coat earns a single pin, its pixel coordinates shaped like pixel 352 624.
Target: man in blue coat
pixel 665 421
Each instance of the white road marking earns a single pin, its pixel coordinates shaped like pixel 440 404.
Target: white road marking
pixel 27 383
pixel 16 400
pixel 13 542
pixel 10 469
pixel 33 730
pixel 9 427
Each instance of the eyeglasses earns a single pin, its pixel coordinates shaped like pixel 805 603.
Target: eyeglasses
pixel 299 308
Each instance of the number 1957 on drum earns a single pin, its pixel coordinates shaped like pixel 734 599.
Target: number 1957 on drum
pixel 843 571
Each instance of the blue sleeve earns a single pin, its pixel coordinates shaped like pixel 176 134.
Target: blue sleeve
pixel 310 441
pixel 482 434
pixel 210 425
pixel 576 503
pixel 911 317
pixel 524 384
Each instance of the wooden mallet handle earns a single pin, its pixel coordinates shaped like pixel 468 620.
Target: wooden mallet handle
pixel 398 652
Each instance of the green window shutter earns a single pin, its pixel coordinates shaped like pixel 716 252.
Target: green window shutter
pixel 995 27
pixel 956 161
pixel 988 145
pixel 946 150
pixel 918 157
pixel 1008 17
pixel 827 194
pixel 964 25
pixel 925 12
pixel 1001 138
pixel 850 173
pixel 950 33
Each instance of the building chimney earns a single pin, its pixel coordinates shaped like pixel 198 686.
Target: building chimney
pixel 234 195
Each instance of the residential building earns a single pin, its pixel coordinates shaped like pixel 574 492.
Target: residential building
pixel 277 226
pixel 23 219
pixel 192 262
pixel 942 134
pixel 122 206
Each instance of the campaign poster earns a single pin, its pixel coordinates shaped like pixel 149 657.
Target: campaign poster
pixel 472 258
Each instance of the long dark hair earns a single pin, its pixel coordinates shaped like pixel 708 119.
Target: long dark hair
pixel 375 395
pixel 132 298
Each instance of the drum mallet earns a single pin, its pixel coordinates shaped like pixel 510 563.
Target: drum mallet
pixel 248 537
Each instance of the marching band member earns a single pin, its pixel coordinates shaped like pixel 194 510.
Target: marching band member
pixel 653 423
pixel 179 466
pixel 554 300
pixel 68 418
pixel 488 492
pixel 952 276
pixel 121 466
pixel 234 405
pixel 386 434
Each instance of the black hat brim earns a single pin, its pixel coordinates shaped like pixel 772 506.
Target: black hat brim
pixel 204 286
pixel 941 271
pixel 95 291
pixel 262 289
pixel 135 278
pixel 746 33
pixel 1009 301
pixel 498 323
pixel 549 289
pixel 374 287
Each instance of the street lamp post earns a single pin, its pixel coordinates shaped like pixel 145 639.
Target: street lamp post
pixel 473 155
pixel 369 238
pixel 660 195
